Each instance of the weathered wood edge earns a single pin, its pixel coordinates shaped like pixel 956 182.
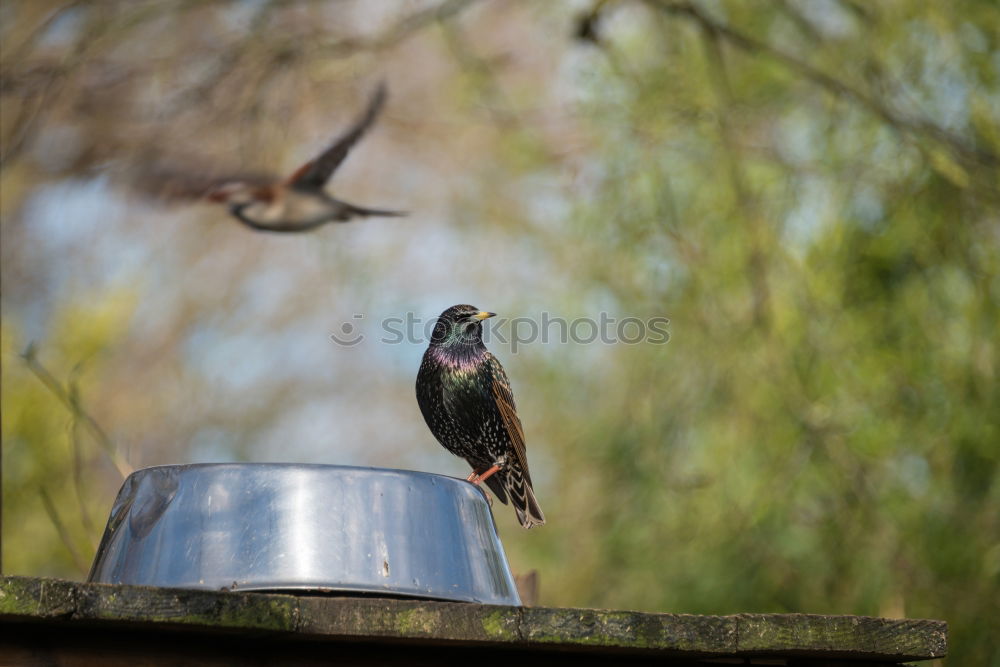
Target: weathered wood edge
pixel 35 599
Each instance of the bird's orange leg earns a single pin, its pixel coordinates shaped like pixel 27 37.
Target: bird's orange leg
pixel 484 476
pixel 475 479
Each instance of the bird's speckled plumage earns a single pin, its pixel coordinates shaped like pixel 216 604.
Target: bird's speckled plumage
pixel 465 397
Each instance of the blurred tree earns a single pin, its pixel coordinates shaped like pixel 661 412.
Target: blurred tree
pixel 808 190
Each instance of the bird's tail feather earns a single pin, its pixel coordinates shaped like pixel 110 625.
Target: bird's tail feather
pixel 522 497
pixel 496 485
pixel 365 212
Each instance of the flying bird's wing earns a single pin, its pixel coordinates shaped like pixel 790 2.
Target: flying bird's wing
pixel 170 183
pixel 316 172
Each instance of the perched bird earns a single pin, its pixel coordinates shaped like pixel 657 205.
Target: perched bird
pixel 296 204
pixel 465 397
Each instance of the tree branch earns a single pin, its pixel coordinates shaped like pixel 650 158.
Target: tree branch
pixel 756 263
pixel 400 31
pixel 53 513
pixel 74 435
pixel 742 41
pixel 73 404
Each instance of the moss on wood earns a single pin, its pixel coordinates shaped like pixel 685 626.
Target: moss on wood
pixel 456 623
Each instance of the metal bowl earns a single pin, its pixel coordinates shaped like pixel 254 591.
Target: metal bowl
pixel 263 526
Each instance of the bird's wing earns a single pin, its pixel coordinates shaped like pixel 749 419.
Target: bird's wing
pixel 172 182
pixel 504 399
pixel 317 171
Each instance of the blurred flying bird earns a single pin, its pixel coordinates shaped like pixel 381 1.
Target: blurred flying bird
pixel 266 203
pixel 465 397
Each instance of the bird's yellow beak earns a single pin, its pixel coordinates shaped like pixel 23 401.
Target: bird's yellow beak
pixel 482 315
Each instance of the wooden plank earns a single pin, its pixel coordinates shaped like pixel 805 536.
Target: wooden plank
pixel 361 619
pixel 842 636
pixel 386 618
pixel 108 645
pixel 38 598
pixel 140 604
pixel 675 633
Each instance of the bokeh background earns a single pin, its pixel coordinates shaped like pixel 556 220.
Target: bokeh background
pixel 808 189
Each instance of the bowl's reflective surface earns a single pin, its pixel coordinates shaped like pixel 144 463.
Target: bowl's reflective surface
pixel 260 526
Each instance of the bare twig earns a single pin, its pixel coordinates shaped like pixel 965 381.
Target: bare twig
pixel 74 434
pixel 53 385
pixel 225 64
pixel 748 208
pixel 403 29
pixel 31 37
pixel 801 22
pixel 100 24
pixel 283 49
pixel 481 72
pixel 50 509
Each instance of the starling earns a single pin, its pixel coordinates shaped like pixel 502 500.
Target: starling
pixel 265 203
pixel 465 397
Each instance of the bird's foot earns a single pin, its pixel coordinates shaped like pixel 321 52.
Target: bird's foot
pixel 477 478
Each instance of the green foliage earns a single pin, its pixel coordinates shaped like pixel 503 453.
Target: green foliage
pixel 822 433
pixel 46 451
